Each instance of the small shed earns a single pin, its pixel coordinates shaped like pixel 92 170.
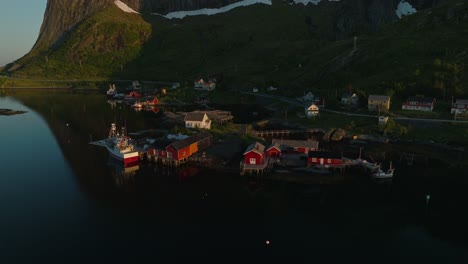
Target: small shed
pixel 274 150
pixel 324 158
pixel 383 120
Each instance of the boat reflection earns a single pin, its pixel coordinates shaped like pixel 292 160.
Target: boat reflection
pixel 124 176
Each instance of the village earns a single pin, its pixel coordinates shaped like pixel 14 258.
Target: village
pixel 269 151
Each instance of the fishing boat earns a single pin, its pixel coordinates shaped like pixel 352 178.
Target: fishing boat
pixel 120 147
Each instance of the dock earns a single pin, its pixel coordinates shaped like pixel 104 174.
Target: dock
pixel 259 169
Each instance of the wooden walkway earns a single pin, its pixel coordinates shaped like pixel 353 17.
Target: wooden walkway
pixel 285 132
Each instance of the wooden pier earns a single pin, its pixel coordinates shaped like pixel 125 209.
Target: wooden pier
pixel 285 132
pixel 260 169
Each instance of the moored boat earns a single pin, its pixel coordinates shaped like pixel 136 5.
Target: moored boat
pixel 120 147
pixel 380 174
pixel 112 91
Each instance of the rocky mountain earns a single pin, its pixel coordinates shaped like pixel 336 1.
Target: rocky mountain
pixel 285 43
pixel 62 16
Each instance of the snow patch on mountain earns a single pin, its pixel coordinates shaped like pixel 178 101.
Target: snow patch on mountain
pixel 404 9
pixel 124 7
pixel 315 2
pixel 213 11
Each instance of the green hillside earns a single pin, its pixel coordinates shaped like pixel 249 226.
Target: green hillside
pixel 282 45
pixel 97 48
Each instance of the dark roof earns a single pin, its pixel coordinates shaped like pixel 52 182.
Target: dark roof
pixel 161 143
pixel 274 145
pixel 255 147
pixel 194 117
pixel 461 101
pixel 420 99
pixel 296 143
pixel 324 154
pixel 379 97
pixel 190 140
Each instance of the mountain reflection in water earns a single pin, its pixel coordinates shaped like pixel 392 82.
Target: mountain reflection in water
pixel 64 197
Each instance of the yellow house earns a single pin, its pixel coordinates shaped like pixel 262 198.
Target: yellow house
pixel 378 102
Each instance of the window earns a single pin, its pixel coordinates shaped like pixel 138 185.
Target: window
pixel 253 161
pixel 314 159
pixel 329 160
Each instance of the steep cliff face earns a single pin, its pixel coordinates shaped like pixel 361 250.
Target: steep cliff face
pixel 61 16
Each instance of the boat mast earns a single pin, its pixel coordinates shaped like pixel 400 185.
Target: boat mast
pixel 113 131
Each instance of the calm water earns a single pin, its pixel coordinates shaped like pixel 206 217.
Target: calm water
pixel 61 198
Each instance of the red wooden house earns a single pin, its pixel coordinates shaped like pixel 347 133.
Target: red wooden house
pixel 157 149
pixel 184 148
pixel 274 150
pixel 324 158
pixel 254 154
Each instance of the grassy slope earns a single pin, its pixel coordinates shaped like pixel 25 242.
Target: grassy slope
pixel 97 48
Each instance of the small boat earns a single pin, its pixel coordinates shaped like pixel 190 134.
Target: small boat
pixel 111 92
pixel 380 174
pixel 137 105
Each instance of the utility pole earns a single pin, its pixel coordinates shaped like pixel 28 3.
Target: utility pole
pixel 355 39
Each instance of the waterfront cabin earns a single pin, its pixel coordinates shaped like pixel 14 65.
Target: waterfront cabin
pixel 158 149
pixel 197 120
pixel 378 103
pixel 350 99
pixel 419 103
pixel 185 148
pixel 311 110
pixel 254 154
pixel 324 158
pixel 296 146
pixel 459 107
pixel 274 150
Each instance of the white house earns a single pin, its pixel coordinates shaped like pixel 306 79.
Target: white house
pixel 349 99
pixel 197 120
pixel 309 97
pixel 271 88
pixel 460 106
pixel 204 85
pixel 255 90
pixel 311 110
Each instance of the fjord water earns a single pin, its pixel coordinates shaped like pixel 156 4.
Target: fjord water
pixel 61 197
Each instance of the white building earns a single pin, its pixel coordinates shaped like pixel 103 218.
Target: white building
pixel 197 120
pixel 311 110
pixel 204 85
